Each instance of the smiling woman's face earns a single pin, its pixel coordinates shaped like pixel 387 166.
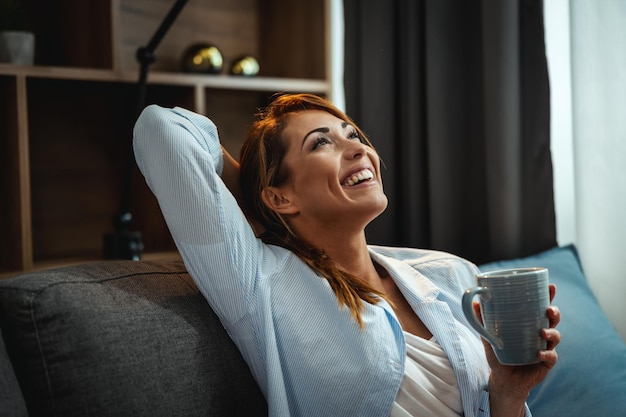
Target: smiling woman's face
pixel 333 176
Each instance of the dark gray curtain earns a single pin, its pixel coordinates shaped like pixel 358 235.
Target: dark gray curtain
pixel 455 96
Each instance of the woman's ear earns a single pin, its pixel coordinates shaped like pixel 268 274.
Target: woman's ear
pixel 278 201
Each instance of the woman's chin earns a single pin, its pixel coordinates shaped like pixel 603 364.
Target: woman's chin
pixel 377 205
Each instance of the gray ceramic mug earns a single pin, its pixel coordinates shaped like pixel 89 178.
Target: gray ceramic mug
pixel 513 305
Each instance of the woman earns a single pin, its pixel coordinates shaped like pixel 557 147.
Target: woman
pixel 328 325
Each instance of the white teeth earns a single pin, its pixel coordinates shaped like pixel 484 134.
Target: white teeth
pixel 366 174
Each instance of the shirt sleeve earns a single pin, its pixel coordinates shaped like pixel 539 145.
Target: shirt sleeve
pixel 180 156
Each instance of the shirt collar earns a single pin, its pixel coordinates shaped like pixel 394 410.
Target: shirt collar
pixel 415 286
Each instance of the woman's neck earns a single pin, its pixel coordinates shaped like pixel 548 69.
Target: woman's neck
pixel 350 253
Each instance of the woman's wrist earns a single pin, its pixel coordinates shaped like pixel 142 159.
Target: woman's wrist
pixel 506 402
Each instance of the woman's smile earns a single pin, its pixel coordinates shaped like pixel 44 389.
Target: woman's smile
pixel 358 177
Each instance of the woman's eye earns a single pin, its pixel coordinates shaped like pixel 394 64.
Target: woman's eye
pixel 319 142
pixel 355 135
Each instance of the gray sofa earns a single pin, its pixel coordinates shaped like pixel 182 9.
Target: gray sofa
pixel 117 338
pixel 124 338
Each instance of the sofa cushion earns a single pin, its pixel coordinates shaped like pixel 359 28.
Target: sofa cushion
pixel 122 338
pixel 11 401
pixel 589 379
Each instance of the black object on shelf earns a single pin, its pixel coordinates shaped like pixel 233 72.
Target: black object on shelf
pixel 126 243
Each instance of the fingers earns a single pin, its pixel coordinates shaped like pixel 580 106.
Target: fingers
pixel 552 288
pixel 552 336
pixel 554 315
pixel 548 358
pixel 476 306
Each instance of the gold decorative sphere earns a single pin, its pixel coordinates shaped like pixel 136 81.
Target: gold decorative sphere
pixel 246 65
pixel 202 58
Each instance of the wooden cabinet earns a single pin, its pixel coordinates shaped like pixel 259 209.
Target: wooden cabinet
pixel 66 123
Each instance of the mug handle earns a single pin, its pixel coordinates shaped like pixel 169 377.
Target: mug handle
pixel 468 309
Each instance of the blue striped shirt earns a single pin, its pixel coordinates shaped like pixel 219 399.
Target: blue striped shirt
pixel 306 352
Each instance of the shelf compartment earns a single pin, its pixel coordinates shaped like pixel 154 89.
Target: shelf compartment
pixel 230 25
pixel 79 154
pixel 73 33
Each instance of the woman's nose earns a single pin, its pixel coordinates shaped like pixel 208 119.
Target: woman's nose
pixel 355 150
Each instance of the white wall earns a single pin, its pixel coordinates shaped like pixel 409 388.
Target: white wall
pixel 586 47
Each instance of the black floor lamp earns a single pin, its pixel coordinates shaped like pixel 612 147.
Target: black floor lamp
pixel 126 243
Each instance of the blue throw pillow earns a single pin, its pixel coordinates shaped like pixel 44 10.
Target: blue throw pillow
pixel 590 376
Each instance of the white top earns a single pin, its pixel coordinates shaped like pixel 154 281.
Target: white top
pixel 427 370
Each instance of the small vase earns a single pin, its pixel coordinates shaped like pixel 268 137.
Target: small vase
pixel 17 47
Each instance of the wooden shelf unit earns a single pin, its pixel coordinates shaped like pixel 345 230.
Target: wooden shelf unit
pixel 66 123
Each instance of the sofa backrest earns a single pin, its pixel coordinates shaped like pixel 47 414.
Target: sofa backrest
pixel 122 338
